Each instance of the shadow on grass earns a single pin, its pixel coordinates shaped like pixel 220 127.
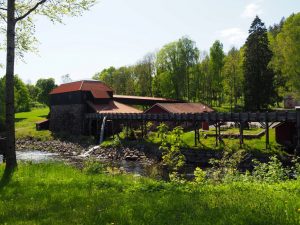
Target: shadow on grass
pixel 19 119
pixel 6 177
pixel 44 116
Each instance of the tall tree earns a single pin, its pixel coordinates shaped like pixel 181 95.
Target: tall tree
pixel 259 77
pixel 18 18
pixel 144 71
pixel 233 76
pixel 174 64
pixel 216 62
pixel 281 79
pixel 287 54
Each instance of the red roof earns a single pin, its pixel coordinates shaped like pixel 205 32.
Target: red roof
pixel 144 98
pixel 182 107
pixel 113 107
pixel 97 88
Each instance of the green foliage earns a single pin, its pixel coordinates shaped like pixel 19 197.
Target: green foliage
pixel 92 166
pixel 272 171
pixel 259 77
pixel 216 63
pixel 287 51
pixel 233 76
pixel 174 63
pixel 170 147
pixel 45 86
pixel 22 97
pixel 199 175
pixel 226 168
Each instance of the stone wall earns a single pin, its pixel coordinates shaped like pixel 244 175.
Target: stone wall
pixel 67 118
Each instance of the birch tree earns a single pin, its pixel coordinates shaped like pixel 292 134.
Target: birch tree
pixel 17 23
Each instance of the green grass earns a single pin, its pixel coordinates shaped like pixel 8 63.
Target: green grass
pixel 59 194
pixel 25 124
pixel 255 145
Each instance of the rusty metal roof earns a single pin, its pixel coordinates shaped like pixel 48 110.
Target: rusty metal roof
pixel 144 98
pixel 97 88
pixel 113 107
pixel 183 107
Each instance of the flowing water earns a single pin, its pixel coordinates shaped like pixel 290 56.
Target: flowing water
pixel 102 130
pixel 35 156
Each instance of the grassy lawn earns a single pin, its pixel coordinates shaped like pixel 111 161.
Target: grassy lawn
pixel 59 194
pixel 25 124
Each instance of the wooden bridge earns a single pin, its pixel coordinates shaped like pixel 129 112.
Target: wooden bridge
pixel 216 118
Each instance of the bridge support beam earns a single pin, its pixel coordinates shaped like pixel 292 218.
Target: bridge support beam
pixel 267 131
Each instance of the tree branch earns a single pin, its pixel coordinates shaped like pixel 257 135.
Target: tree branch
pixel 3 8
pixel 31 10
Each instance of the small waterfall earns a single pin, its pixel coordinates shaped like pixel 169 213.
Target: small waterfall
pixel 87 153
pixel 102 130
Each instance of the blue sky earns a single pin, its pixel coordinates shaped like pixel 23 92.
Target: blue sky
pixel 120 32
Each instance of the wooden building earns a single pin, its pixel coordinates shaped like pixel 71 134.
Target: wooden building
pixel 286 134
pixel 166 108
pixel 71 101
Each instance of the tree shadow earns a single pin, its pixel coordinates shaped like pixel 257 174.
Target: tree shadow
pixel 19 119
pixel 6 177
pixel 44 116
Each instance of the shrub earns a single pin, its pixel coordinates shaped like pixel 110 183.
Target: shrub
pixel 92 166
pixel 270 172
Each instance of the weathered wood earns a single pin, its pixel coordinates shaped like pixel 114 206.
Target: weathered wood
pixel 267 131
pixel 241 134
pixel 212 117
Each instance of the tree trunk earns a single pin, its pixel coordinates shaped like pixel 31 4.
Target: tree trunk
pixel 11 161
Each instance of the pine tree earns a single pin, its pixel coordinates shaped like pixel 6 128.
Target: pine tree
pixel 259 77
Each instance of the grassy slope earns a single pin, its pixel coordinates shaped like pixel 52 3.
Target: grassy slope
pixel 58 194
pixel 25 124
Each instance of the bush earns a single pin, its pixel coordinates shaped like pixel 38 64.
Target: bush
pixel 93 167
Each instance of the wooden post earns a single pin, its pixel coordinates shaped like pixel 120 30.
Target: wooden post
pixel 216 125
pixel 113 128
pixel 241 134
pixel 142 129
pixel 267 130
pixel 297 150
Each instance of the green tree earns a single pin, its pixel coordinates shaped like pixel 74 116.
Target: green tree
pixel 216 62
pixel 22 96
pixel 287 54
pixel 233 76
pixel 106 76
pixel 33 92
pixel 174 64
pixel 18 17
pixel 45 86
pixel 281 85
pixel 259 78
pixel 144 71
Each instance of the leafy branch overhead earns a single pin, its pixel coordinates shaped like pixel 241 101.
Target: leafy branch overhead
pixel 26 11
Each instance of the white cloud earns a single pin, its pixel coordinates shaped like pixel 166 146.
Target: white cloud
pixel 252 10
pixel 234 36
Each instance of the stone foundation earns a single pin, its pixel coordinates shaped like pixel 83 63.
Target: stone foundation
pixel 67 118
